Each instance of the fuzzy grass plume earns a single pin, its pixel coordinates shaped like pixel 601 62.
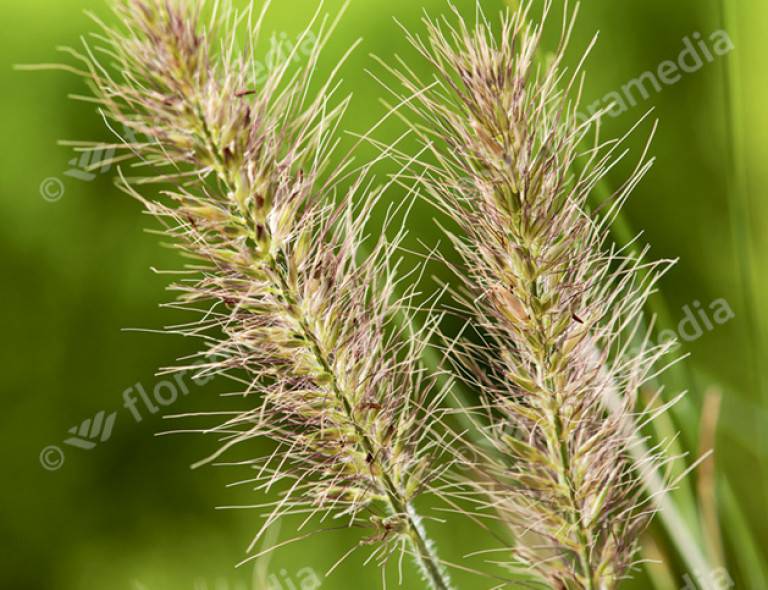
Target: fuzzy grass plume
pixel 559 353
pixel 286 308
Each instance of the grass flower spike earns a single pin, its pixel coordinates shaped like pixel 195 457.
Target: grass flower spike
pixel 559 352
pixel 287 309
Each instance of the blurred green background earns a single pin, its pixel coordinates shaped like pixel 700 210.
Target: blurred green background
pixel 130 514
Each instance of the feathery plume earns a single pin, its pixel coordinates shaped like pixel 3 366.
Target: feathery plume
pixel 287 310
pixel 557 309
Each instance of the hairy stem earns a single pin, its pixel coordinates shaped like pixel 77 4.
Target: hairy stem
pixel 574 515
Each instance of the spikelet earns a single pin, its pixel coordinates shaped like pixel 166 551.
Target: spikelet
pixel 287 309
pixel 559 351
